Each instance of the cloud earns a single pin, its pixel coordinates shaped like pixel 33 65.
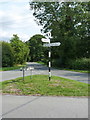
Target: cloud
pixel 8 35
pixel 16 18
pixel 1 13
pixel 24 37
pixel 3 33
pixel 4 36
pixel 8 1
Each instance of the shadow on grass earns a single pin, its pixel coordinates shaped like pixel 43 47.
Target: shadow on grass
pixel 14 81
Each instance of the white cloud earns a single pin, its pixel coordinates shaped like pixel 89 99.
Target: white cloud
pixel 8 35
pixel 5 36
pixel 16 18
pixel 7 1
pixel 27 6
pixel 24 37
pixel 1 13
pixel 3 33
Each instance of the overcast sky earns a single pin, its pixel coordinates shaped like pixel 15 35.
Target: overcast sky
pixel 16 18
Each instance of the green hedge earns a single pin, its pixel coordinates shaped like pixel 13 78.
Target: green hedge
pixel 57 63
pixel 80 64
pixel 77 64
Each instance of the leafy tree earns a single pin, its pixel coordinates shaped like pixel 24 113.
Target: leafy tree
pixel 83 49
pixel 7 55
pixel 66 26
pixel 0 54
pixel 21 50
pixel 36 48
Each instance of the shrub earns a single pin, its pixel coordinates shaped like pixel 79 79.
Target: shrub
pixel 56 63
pixel 80 64
pixel 7 55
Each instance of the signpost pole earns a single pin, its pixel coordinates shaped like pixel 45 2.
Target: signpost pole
pixel 49 63
pixel 31 74
pixel 49 53
pixel 31 70
pixel 23 73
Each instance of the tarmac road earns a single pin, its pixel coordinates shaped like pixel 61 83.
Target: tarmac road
pixel 44 107
pixel 40 69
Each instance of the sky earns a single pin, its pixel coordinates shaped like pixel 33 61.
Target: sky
pixel 17 18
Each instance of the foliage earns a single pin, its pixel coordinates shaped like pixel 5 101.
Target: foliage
pixel 39 85
pixel 36 48
pixel 21 50
pixel 7 55
pixel 66 26
pixel 11 68
pixel 80 64
pixel 0 54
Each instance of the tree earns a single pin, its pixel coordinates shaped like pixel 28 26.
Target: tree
pixel 66 26
pixel 21 50
pixel 83 49
pixel 0 54
pixel 36 48
pixel 7 55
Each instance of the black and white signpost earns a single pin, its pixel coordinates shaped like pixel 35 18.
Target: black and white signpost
pixel 50 45
pixel 49 63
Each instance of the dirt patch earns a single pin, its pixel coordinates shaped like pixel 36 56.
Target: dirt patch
pixel 54 84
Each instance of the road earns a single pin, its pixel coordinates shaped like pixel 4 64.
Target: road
pixel 40 69
pixel 44 107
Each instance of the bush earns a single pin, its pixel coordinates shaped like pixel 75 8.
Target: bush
pixel 80 64
pixel 77 64
pixel 57 63
pixel 7 55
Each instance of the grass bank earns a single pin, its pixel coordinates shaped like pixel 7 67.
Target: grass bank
pixel 39 85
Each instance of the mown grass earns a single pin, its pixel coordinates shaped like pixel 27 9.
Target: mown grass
pixel 39 85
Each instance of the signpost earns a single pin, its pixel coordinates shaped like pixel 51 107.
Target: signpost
pixel 31 68
pixel 45 40
pixel 50 45
pixel 25 69
pixel 23 73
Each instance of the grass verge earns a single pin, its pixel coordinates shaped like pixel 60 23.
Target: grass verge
pixel 11 68
pixel 82 71
pixel 39 85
